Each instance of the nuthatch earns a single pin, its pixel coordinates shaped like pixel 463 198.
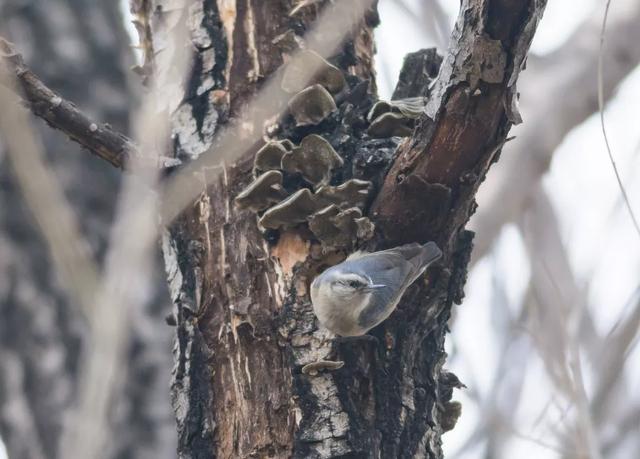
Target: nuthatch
pixel 354 296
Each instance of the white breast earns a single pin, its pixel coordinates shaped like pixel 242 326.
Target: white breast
pixel 341 319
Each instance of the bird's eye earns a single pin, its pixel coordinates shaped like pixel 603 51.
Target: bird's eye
pixel 354 284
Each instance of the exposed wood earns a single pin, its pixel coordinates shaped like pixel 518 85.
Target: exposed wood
pixel 429 195
pixel 468 118
pixel 234 287
pixel 232 384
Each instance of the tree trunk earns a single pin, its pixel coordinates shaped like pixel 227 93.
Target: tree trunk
pixel 255 376
pixel 81 50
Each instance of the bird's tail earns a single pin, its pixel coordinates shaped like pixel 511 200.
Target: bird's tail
pixel 429 253
pixel 420 256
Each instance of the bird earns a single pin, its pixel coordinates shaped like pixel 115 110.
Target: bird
pixel 358 294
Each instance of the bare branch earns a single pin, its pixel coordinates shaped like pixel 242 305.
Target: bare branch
pixel 623 191
pixel 542 219
pixel 500 405
pixel 127 270
pixel 560 313
pixel 98 138
pixel 612 364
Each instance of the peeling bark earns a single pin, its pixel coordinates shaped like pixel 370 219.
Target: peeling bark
pixel 245 328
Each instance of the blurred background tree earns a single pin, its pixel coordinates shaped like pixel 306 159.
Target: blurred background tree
pixel 82 50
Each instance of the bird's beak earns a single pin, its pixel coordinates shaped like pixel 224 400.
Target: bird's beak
pixel 374 286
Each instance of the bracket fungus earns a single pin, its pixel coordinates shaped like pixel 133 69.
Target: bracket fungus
pixel 379 108
pixel 395 118
pixel 314 159
pixel 411 107
pixel 352 193
pixel 293 210
pixel 390 125
pixel 339 229
pixel 313 368
pixel 262 192
pixel 269 156
pixel 309 68
pixel 311 105
pixel 333 213
pixel 287 144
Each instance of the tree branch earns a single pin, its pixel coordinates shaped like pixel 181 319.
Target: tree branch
pixel 567 75
pixel 98 138
pixel 431 186
pixel 541 218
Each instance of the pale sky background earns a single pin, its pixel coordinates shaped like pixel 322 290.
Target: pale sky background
pixel 602 244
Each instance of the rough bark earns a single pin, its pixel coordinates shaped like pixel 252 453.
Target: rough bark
pixel 431 187
pixel 245 328
pixel 79 48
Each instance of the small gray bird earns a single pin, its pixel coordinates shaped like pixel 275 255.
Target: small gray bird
pixel 356 295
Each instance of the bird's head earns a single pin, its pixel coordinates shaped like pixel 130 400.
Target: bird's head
pixel 342 286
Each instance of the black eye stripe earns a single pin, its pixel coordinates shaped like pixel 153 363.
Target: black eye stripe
pixel 353 283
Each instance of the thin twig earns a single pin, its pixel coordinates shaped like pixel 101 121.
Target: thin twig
pixel 98 138
pixel 563 311
pixel 602 125
pixel 611 367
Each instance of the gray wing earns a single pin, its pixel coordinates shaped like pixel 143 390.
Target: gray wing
pixel 411 259
pixel 395 268
pixel 389 269
pixel 421 256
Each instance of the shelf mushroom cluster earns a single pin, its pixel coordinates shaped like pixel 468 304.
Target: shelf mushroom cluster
pixel 334 214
